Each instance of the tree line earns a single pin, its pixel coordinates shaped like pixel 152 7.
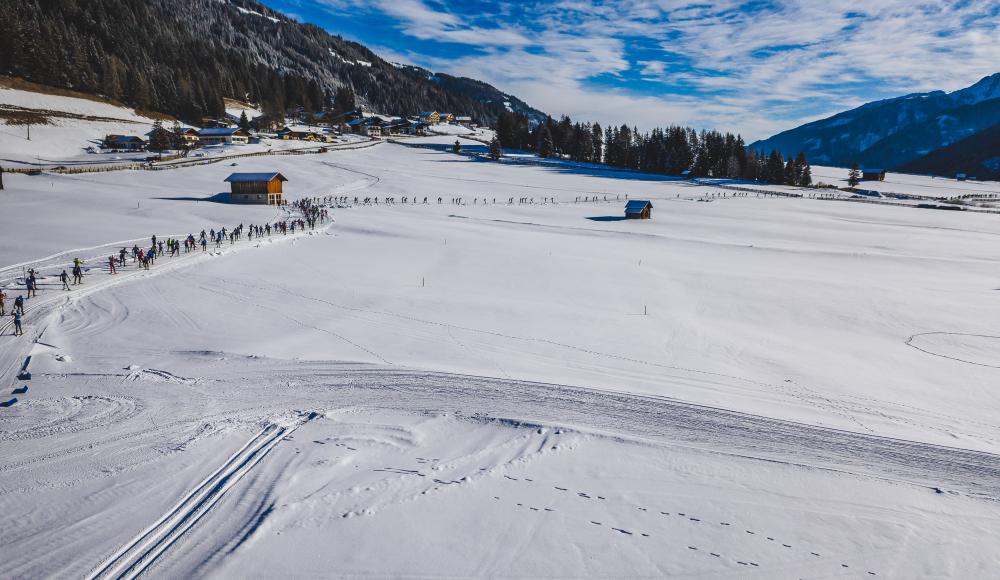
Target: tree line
pixel 673 150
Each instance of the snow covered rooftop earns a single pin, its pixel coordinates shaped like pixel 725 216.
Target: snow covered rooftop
pixel 254 177
pixel 218 131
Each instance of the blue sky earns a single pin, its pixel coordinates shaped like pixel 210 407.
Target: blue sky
pixel 754 66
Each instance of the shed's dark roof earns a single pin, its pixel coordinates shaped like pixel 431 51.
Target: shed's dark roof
pixel 254 177
pixel 638 205
pixel 873 170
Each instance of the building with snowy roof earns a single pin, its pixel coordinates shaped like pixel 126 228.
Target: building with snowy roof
pixel 221 135
pixel 639 209
pixel 256 188
pixel 124 143
pixel 430 117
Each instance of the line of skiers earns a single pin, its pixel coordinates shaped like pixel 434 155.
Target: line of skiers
pixel 145 257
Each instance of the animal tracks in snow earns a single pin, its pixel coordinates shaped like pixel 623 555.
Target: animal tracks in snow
pixel 682 518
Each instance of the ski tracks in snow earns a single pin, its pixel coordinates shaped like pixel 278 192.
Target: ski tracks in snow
pixel 139 553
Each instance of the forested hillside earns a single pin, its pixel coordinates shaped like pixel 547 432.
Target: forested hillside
pixel 978 156
pixel 153 55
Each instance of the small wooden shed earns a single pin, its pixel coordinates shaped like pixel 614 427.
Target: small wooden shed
pixel 256 188
pixel 639 209
pixel 872 174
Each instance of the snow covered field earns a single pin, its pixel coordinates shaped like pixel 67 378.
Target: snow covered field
pixel 750 387
pixel 917 185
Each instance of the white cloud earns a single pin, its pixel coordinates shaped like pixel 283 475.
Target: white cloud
pixel 754 67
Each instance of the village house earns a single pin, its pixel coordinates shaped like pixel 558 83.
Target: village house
pixel 446 118
pixel 370 126
pixel 188 135
pixel 227 136
pixel 465 121
pixel 429 117
pixel 256 188
pixel 639 209
pixel 396 126
pixel 288 134
pixel 124 143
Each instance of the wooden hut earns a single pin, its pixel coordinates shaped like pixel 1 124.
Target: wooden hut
pixel 872 174
pixel 256 188
pixel 639 209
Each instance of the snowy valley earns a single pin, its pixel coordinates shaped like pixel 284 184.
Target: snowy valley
pixel 491 373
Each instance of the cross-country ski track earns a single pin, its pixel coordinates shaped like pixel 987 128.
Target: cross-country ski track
pixel 142 551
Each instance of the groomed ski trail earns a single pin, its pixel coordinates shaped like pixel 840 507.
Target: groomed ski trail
pixel 138 554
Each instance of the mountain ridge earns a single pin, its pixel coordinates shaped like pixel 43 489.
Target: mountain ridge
pixel 893 132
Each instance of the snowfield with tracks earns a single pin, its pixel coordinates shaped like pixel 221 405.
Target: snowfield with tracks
pixel 741 387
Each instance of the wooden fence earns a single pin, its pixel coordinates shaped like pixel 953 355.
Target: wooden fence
pixel 188 162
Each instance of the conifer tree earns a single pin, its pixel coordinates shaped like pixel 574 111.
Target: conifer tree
pixel 244 121
pixel 805 172
pixel 854 175
pixel 496 150
pixel 159 138
pixel 545 146
pixel 775 168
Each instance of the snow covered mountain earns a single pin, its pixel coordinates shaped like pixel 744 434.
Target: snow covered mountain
pixel 184 62
pixel 893 132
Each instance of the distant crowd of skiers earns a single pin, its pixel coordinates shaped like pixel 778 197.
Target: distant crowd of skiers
pixel 146 257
